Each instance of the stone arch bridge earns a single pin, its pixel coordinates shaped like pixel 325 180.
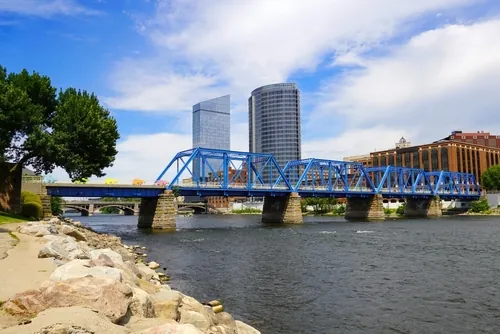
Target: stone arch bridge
pixel 88 208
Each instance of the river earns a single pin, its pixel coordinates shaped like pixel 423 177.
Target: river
pixel 332 276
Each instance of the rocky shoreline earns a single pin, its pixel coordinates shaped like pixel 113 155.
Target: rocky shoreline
pixel 103 286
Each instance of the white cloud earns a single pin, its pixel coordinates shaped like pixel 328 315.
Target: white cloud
pixel 44 8
pixel 240 45
pixel 441 80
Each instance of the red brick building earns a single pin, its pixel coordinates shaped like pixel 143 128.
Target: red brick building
pixel 480 138
pixel 224 202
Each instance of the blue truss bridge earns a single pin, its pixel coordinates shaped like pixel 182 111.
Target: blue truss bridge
pixel 211 172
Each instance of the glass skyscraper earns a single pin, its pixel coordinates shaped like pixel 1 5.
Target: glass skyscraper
pixel 211 129
pixel 274 121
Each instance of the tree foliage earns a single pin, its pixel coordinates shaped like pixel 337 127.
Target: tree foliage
pixel 490 180
pixel 480 206
pixel 45 129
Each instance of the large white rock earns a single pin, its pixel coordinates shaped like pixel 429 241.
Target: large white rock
pixel 142 304
pixel 172 328
pixel 106 296
pixel 73 319
pixel 82 268
pixel 245 329
pixel 62 249
pixel 114 256
pixel 196 319
pixel 73 232
pixel 38 230
pixel 153 265
pixel 193 312
pixel 147 273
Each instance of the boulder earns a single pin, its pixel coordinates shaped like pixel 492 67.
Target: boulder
pixel 147 273
pixel 199 320
pixel 133 268
pixel 38 230
pixel 166 304
pixel 142 304
pixel 193 312
pixel 54 221
pixel 108 297
pixel 245 329
pixel 75 319
pixel 103 260
pixel 62 249
pixel 83 268
pixel 172 328
pixel 225 319
pixel 114 256
pixel 73 232
pixel 153 265
pixel 220 329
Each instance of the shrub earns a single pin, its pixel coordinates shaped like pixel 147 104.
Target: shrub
pixel 32 210
pixel 388 211
pixel 340 210
pixel 479 206
pixel 401 209
pixel 28 197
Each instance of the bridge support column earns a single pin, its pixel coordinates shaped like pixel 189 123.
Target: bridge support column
pixel 46 206
pixel 365 208
pixel 284 210
pixel 158 213
pixel 423 207
pixel 45 199
pixel 136 209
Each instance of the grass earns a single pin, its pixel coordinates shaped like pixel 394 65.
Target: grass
pixel 6 218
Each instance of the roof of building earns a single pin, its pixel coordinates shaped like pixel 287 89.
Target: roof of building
pixel 437 143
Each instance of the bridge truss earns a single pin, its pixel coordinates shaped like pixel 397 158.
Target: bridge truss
pixel 212 172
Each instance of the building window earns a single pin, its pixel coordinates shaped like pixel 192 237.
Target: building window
pixel 434 159
pixel 459 160
pixel 391 159
pixel 383 161
pixel 416 160
pixel 425 159
pixel 408 159
pixel 399 162
pixel 452 137
pixel 444 159
pixel 375 161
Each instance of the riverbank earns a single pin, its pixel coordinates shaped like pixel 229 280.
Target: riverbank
pixel 62 276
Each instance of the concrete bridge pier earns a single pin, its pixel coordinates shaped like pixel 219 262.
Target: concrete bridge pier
pixel 282 209
pixel 365 208
pixel 423 207
pixel 158 213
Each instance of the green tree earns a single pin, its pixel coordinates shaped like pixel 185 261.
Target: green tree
pixel 56 205
pixel 490 180
pixel 479 206
pixel 44 129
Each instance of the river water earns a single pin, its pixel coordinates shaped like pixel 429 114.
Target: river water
pixel 332 276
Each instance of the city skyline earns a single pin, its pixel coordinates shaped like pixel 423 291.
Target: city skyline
pixel 412 69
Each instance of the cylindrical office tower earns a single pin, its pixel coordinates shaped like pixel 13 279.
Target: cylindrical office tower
pixel 274 121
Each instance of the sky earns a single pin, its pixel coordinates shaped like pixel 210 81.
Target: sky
pixel 369 71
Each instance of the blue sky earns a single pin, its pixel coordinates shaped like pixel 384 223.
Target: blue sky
pixel 370 71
